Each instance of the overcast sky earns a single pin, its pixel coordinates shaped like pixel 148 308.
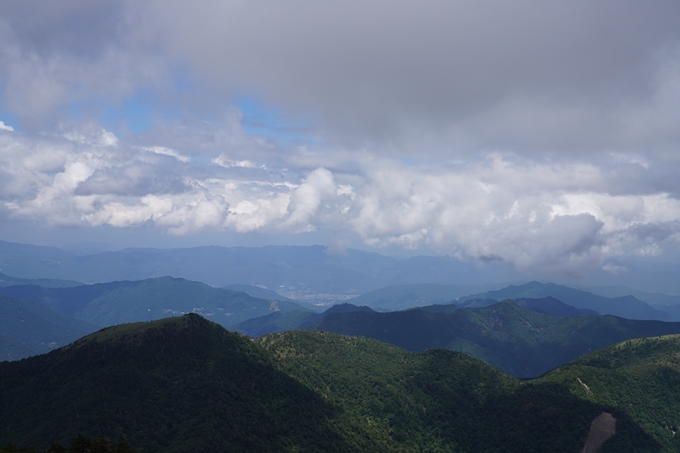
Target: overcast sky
pixel 543 134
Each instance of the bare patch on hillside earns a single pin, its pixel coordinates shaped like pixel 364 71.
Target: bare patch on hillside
pixel 602 428
pixel 585 386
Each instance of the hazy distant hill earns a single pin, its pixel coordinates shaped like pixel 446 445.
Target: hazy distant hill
pixel 260 293
pixel 401 297
pixel 625 307
pixel 292 269
pixel 665 302
pixel 654 299
pixel 553 307
pixel 28 328
pixel 6 280
pixel 514 339
pixel 279 268
pixel 106 304
pixel 13 350
pixel 199 388
pixel 546 305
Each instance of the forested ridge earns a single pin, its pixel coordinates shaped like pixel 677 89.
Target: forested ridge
pixel 186 384
pixel 518 340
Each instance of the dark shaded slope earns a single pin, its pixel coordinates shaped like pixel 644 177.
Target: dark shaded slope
pixel 274 322
pixel 178 384
pixel 31 328
pixel 289 320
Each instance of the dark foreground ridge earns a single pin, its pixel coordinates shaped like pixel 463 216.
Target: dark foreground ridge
pixel 186 384
pixel 177 384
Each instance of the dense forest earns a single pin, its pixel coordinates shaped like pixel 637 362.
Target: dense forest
pixel 79 444
pixel 185 383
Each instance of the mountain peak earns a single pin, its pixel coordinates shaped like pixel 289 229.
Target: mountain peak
pixel 190 321
pixel 347 307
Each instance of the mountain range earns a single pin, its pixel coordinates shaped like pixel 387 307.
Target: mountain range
pixel 290 270
pixel 300 270
pixel 401 297
pixel 106 304
pixel 6 280
pixel 200 388
pixel 625 307
pixel 521 341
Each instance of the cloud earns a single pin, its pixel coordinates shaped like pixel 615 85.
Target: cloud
pixel 483 74
pixel 224 161
pixel 540 134
pixel 167 151
pixel 560 216
pixel 390 74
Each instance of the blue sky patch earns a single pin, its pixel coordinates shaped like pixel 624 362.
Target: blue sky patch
pixel 272 122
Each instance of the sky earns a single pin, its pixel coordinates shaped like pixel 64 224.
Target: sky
pixel 545 135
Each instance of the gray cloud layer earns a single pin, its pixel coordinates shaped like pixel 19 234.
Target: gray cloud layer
pixel 543 134
pixel 523 75
pixel 560 216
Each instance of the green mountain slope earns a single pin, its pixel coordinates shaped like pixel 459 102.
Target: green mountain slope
pixel 516 340
pixel 640 376
pixel 440 400
pixel 106 304
pixel 625 307
pixel 186 384
pixel 28 328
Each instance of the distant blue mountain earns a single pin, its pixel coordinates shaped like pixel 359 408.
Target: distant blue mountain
pixel 106 304
pixel 625 307
pixel 401 297
pixel 29 328
pixel 6 280
pixel 284 269
pixel 553 307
